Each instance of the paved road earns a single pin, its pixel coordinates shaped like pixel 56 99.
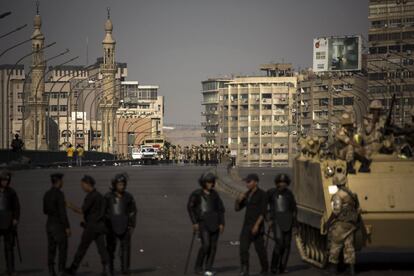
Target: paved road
pixel 163 231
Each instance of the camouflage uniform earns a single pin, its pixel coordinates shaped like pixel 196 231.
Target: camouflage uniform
pixel 343 223
pixel 344 149
pixel 371 136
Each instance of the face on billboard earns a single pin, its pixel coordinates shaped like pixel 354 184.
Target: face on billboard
pixel 337 54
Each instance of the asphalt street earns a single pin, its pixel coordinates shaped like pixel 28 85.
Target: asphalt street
pixel 162 237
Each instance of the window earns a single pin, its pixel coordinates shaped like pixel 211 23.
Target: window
pixel 63 108
pixel 338 101
pixel 320 55
pixel 348 101
pixel 324 102
pixel 20 108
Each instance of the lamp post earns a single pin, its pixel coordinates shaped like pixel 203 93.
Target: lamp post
pixel 5 14
pixel 13 31
pixel 21 43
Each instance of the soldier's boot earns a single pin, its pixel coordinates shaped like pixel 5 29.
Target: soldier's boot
pixel 52 271
pixel 350 168
pixel 106 271
pixel 71 270
pixel 331 269
pixel 244 270
pixel 365 164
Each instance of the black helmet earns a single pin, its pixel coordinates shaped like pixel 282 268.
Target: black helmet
pixel 282 178
pixel 207 177
pixel 6 175
pixel 121 177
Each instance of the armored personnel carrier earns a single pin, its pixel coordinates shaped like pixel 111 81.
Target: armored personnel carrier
pixel 386 197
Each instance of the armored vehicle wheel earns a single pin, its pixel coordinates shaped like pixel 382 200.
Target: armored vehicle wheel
pixel 311 245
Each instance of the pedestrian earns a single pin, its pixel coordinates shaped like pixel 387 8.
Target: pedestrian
pixel 283 210
pixel 17 144
pixel 57 225
pixel 80 152
pixel 342 225
pixel 69 153
pixel 206 211
pixel 94 229
pixel 121 212
pixel 9 219
pixel 255 202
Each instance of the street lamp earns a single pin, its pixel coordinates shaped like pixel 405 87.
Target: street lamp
pixel 13 31
pixel 19 44
pixel 5 14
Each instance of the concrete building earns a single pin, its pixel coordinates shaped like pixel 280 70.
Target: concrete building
pixel 140 116
pixel 390 59
pixel 210 94
pixel 11 88
pixel 256 120
pixel 322 98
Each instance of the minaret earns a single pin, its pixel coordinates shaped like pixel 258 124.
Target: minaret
pixel 35 107
pixel 110 101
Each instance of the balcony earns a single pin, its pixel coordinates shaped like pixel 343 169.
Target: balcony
pixel 209 113
pixel 208 135
pixel 210 102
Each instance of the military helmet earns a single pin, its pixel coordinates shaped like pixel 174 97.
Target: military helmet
pixel 121 177
pixel 282 178
pixel 5 175
pixel 375 104
pixel 207 177
pixel 346 119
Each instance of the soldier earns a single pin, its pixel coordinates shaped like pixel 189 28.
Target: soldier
pixel 342 224
pixel 94 229
pixel 9 219
pixel 17 144
pixel 381 129
pixel 255 202
pixel 371 137
pixel 57 225
pixel 206 211
pixel 344 149
pixel 121 220
pixel 283 210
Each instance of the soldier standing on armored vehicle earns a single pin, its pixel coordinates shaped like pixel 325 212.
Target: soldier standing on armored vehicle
pixel 206 211
pixel 346 149
pixel 342 225
pixel 282 218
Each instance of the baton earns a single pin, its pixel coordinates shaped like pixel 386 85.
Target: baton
pixel 189 253
pixel 19 252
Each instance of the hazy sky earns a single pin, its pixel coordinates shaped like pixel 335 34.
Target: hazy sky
pixel 178 43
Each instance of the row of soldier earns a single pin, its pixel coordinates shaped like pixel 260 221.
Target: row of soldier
pixel 105 221
pixel 202 154
pixel 377 134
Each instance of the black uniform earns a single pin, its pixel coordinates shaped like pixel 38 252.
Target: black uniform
pixel 121 220
pixel 282 206
pixel 256 205
pixel 93 209
pixel 9 211
pixel 207 211
pixel 54 207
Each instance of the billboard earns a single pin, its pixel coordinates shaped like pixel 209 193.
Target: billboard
pixel 337 54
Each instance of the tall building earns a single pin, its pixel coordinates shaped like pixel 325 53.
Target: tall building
pixel 35 106
pixel 140 116
pixel 321 99
pixel 256 120
pixel 390 59
pixel 210 93
pixel 110 102
pixel 11 94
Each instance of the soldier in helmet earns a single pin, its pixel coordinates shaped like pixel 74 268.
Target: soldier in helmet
pixel 206 211
pixel 379 121
pixel 342 224
pixel 9 219
pixel 371 137
pixel 121 212
pixel 283 210
pixel 344 142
